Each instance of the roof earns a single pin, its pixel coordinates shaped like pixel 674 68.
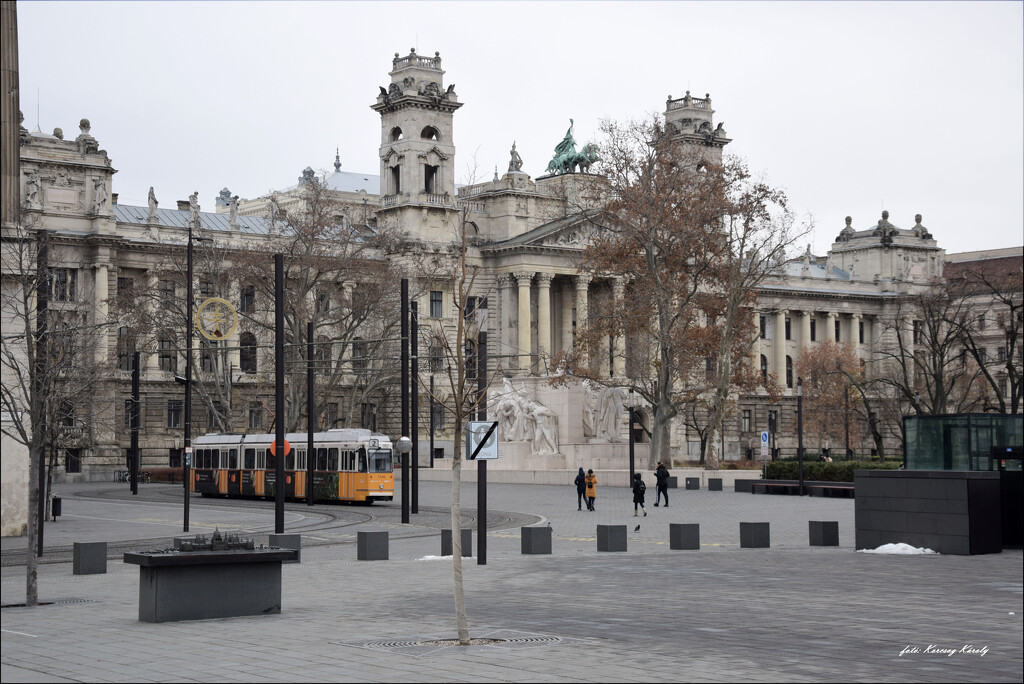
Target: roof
pixel 344 181
pixel 178 218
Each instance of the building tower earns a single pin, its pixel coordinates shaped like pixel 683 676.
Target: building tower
pixel 417 150
pixel 690 120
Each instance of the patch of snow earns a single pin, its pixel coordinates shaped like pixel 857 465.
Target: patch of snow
pixel 899 549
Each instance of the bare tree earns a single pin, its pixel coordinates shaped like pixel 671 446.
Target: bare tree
pixel 826 370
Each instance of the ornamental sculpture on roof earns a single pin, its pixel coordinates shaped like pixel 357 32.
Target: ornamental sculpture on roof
pixel 566 157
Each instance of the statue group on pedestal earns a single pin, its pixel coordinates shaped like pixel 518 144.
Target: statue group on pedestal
pixel 521 419
pixel 602 412
pixel 566 157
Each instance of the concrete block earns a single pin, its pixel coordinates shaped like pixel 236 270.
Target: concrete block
pixel 684 536
pixel 755 535
pixel 611 537
pixel 536 540
pixel 672 482
pixel 824 532
pixel 693 483
pixel 467 542
pixel 714 484
pixel 371 546
pixel 288 541
pixel 90 558
pixel 743 485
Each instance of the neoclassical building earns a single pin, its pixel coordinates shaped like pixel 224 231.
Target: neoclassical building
pixel 526 236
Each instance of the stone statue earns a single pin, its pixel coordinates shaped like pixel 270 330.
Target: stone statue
pixel 99 194
pixel 153 204
pixel 545 442
pixel 806 270
pixel 525 427
pixel 611 406
pixel 508 410
pixel 829 266
pixel 565 153
pixel 193 210
pixel 58 133
pixel 588 410
pixel 273 212
pixel 516 163
pixel 32 190
pixel 233 213
pixel 568 143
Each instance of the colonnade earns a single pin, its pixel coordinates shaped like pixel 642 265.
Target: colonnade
pixel 814 326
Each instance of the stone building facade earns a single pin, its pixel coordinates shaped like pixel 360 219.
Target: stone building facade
pixel 525 240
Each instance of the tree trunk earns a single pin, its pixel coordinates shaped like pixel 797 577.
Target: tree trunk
pixel 32 566
pixel 461 624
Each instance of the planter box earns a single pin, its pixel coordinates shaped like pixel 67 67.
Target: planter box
pixel 371 546
pixel 611 537
pixel 684 536
pixel 467 542
pixel 824 532
pixel 693 483
pixel 755 535
pixel 536 540
pixel 90 558
pixel 714 484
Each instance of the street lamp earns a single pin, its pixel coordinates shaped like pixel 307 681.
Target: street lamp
pixel 800 429
pixel 403 445
pixel 632 439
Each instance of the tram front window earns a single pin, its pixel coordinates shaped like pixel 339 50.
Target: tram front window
pixel 380 461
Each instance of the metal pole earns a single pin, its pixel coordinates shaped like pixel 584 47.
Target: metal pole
pixel 279 408
pixel 415 410
pixel 632 440
pixel 800 429
pixel 432 409
pixel 846 422
pixel 405 395
pixel 41 366
pixel 310 454
pixel 135 423
pixel 481 478
pixel 186 464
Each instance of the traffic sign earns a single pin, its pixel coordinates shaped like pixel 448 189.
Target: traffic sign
pixel 764 443
pixel 482 439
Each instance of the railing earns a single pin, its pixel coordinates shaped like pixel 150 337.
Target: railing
pixel 687 102
pixel 415 60
pixel 434 198
pixel 478 207
pixel 388 200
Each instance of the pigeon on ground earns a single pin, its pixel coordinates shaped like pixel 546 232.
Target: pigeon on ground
pixel 636 529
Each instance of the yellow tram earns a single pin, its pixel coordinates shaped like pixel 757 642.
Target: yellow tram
pixel 349 465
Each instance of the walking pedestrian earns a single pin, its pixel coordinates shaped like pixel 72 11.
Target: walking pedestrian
pixel 591 481
pixel 661 473
pixel 639 488
pixel 581 489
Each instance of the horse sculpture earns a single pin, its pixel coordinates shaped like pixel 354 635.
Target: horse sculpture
pixel 567 163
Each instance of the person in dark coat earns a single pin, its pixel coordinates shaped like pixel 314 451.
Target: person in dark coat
pixel 639 488
pixel 662 476
pixel 581 489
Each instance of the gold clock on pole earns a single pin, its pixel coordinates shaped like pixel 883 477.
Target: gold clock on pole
pixel 216 319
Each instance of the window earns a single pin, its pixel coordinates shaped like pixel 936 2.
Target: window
pixel 437 416
pixel 65 284
pixel 814 330
pixel 773 420
pixel 212 414
pixel 709 367
pixel 247 353
pixel 125 348
pixel 206 289
pixel 396 180
pixel 323 302
pixel 124 285
pixel 860 331
pixel 359 348
pixel 174 458
pixel 917 332
pixel 206 362
pixel 430 174
pixel 746 420
pixel 764 368
pixel 1001 354
pixel 331 414
pixel 368 416
pixel 429 133
pixel 438 452
pixel 247 303
pixel 789 372
pixel 72 460
pixel 166 293
pixel 255 416
pixel 435 303
pixel 982 355
pixel 128 414
pixel 788 329
pixel 837 330
pixel 981 322
pixel 764 327
pixel 436 358
pixel 174 413
pixel 167 356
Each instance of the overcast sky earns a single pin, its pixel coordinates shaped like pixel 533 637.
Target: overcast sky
pixel 914 107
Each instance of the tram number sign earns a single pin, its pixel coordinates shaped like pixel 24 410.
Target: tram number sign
pixel 764 443
pixel 482 440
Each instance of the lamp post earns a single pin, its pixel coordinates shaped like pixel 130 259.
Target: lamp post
pixel 632 439
pixel 403 445
pixel 800 429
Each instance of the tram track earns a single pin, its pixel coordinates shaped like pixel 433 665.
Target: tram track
pixel 323 524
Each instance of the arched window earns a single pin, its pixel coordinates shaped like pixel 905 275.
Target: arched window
pixel 247 352
pixel 789 372
pixel 764 368
pixel 396 134
pixel 430 133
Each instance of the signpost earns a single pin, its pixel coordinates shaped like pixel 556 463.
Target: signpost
pixel 764 451
pixel 482 440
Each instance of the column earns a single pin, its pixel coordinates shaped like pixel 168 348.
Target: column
pixel 523 279
pixel 619 351
pixel 856 320
pixel 151 362
pixel 101 295
pixel 779 345
pixel 543 318
pixel 805 329
pixel 830 326
pixel 755 346
pixel 568 297
pixel 582 307
pixel 504 299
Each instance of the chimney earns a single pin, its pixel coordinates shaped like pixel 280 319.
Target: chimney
pixel 183 205
pixel 113 198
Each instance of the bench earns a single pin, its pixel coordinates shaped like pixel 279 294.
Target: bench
pixel 832 489
pixel 774 487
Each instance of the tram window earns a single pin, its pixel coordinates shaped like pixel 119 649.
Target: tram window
pixel 332 459
pixel 362 460
pixel 271 461
pixel 300 460
pixel 261 459
pixel 203 458
pixel 249 461
pixel 321 459
pixel 214 458
pixel 233 459
pixel 380 461
pixel 289 461
pixel 348 461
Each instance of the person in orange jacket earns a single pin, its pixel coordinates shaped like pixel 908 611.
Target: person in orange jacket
pixel 591 489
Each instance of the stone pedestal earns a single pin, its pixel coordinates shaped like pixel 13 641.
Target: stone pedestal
pixel 371 546
pixel 755 535
pixel 684 536
pixel 824 532
pixel 467 542
pixel 288 541
pixel 536 540
pixel 90 558
pixel 611 537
